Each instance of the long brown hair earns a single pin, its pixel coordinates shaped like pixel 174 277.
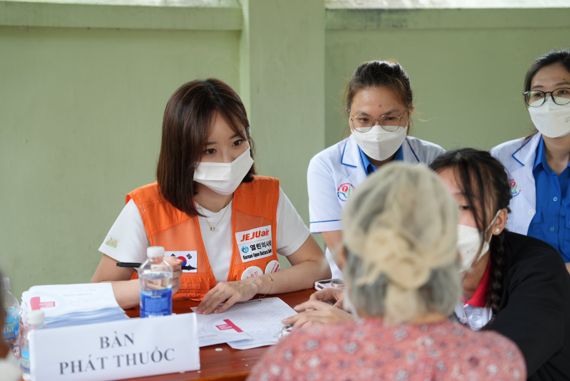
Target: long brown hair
pixel 188 116
pixel 484 184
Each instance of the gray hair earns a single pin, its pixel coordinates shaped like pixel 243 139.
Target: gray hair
pixel 400 231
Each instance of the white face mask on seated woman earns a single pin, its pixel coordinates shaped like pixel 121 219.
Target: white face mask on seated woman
pixel 469 242
pixel 224 178
pixel 379 142
pixel 551 119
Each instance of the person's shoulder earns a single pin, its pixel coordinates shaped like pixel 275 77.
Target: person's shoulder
pixel 331 154
pixel 148 193
pixel 422 144
pixel 532 255
pixel 487 338
pixel 150 187
pixel 487 347
pixel 423 150
pixel 508 147
pixel 496 354
pixel 265 180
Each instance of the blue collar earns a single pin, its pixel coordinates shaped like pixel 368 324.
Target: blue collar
pixel 400 154
pixel 523 154
pixel 370 168
pixel 540 159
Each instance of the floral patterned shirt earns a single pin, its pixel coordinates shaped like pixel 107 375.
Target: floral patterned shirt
pixel 368 350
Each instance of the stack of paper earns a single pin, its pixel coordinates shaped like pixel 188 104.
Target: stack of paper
pixel 252 324
pixel 73 304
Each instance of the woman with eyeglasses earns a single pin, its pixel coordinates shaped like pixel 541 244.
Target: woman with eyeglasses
pixel 379 104
pixel 538 165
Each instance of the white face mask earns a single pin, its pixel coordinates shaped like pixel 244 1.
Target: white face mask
pixel 379 144
pixel 550 119
pixel 468 243
pixel 224 178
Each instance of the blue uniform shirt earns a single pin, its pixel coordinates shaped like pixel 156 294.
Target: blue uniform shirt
pixel 551 223
pixel 370 168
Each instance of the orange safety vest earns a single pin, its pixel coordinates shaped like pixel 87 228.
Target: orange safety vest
pixel 254 223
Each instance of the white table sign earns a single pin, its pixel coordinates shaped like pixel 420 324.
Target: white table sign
pixel 115 350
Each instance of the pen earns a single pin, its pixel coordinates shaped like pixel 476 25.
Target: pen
pixel 138 264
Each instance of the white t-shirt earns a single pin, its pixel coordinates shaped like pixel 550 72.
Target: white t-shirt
pixel 127 240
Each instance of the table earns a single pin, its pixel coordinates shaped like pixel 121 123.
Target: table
pixel 228 364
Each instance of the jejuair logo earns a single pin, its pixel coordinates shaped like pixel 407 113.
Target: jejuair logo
pixel 255 234
pixel 244 249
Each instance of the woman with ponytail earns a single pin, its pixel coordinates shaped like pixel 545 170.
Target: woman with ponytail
pixel 402 277
pixel 512 284
pixel 379 106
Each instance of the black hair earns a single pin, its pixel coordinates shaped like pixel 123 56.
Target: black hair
pixel 380 73
pixel 553 57
pixel 483 182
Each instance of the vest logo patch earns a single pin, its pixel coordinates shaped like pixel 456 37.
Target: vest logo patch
pixel 344 190
pixel 254 243
pixel 189 259
pixel 251 272
pixel 272 267
pixel 515 190
pixel 112 243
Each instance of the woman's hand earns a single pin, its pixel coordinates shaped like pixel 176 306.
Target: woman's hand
pixel 316 312
pixel 226 294
pixel 176 271
pixel 331 295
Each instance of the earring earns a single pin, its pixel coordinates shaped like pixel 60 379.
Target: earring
pixel 497 231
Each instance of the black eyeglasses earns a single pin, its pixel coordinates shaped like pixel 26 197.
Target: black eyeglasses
pixel 536 98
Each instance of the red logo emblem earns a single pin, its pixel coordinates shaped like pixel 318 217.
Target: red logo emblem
pixel 343 191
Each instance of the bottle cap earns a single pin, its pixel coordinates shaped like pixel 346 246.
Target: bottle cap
pixel 155 251
pixel 36 317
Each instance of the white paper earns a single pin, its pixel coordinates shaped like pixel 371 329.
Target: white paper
pixel 116 350
pixel 73 304
pixel 57 300
pixel 259 320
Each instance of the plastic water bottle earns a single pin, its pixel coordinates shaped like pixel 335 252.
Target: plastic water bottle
pixel 155 277
pixel 11 327
pixel 34 320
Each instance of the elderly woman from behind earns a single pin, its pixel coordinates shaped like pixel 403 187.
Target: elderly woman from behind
pixel 402 281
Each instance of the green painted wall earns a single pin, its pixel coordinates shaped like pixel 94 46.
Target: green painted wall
pixel 466 67
pixel 82 91
pixel 80 121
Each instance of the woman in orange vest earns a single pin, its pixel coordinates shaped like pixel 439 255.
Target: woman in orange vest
pixel 210 211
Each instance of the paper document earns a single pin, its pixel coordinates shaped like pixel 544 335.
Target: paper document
pixel 255 323
pixel 73 304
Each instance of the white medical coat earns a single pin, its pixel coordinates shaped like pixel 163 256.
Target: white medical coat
pixel 334 173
